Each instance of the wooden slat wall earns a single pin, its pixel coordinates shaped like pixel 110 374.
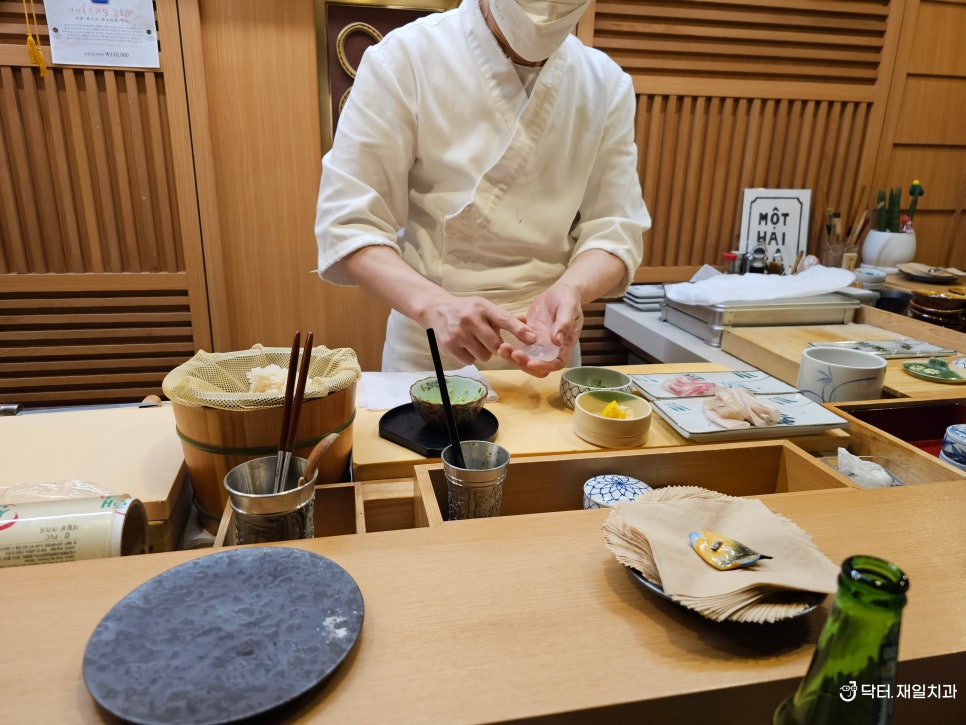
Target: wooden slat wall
pixel 734 94
pixel 842 96
pixel 64 340
pixel 698 154
pixel 84 169
pixel 811 41
pixel 925 134
pixel 598 345
pixel 89 195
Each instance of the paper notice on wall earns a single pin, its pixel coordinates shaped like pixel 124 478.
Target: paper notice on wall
pixel 119 33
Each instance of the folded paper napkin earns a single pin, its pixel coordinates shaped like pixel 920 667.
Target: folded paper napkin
pixel 382 391
pixel 719 288
pixel 650 534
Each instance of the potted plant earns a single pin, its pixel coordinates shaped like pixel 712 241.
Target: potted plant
pixel 892 241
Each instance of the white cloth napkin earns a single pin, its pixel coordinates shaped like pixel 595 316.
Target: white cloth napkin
pixel 719 288
pixel 382 391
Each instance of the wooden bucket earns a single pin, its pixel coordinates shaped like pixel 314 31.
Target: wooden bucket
pixel 215 441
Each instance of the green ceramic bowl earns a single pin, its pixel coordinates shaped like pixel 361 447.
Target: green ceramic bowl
pixel 575 381
pixel 466 396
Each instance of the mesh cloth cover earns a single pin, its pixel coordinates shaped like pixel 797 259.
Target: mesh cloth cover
pixel 217 379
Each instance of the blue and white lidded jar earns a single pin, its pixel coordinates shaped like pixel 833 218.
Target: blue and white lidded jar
pixel 609 488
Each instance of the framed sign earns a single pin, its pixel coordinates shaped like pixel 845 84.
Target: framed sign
pixel 343 31
pixel 776 219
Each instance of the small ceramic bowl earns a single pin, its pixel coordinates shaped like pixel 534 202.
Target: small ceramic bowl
pixel 593 427
pixel 575 381
pixel 605 490
pixel 466 396
pixel 954 445
pixel 869 276
pixel 938 300
pixel 893 300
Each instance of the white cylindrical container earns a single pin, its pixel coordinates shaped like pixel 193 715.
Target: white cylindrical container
pixel 45 532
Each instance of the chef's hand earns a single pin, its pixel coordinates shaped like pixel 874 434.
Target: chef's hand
pixel 468 328
pixel 556 317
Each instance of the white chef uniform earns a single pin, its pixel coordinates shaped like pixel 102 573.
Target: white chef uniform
pixel 441 155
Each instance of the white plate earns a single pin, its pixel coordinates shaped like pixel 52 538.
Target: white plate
pixel 755 381
pixel 643 306
pixel 799 416
pixel 646 291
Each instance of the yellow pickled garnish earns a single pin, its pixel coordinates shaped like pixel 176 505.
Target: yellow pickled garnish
pixel 615 410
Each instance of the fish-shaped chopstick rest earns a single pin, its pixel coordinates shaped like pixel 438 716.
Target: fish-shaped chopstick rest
pixel 722 552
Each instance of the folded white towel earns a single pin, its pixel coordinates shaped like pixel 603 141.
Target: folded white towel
pixel 719 288
pixel 382 391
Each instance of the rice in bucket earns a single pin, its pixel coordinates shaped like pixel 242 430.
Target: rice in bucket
pixel 228 410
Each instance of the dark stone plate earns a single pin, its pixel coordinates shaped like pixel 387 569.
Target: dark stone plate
pixel 225 637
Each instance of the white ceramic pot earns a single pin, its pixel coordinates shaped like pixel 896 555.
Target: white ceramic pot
pixel 887 249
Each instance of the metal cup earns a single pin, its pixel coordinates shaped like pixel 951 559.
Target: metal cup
pixel 263 516
pixel 475 491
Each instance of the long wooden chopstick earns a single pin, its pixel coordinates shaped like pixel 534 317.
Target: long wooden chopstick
pixel 295 411
pixel 293 361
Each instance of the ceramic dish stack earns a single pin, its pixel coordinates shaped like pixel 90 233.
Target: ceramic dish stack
pixel 645 297
pixel 870 278
pixel 945 309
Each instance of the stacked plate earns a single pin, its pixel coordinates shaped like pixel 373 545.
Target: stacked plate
pixel 939 308
pixel 645 297
pixel 870 278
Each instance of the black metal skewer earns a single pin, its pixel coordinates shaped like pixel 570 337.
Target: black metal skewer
pixel 454 436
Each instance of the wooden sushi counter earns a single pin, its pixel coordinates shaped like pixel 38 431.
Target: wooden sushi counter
pixel 777 350
pixel 533 420
pixel 530 617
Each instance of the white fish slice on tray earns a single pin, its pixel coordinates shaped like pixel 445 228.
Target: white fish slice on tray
pixel 798 415
pixel 736 408
pixel 655 386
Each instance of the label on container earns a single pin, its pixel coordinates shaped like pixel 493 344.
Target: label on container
pixel 62 530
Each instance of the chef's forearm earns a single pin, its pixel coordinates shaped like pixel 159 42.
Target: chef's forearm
pixel 382 272
pixel 593 274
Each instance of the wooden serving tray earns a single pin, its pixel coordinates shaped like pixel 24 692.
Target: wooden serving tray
pixel 543 484
pixel 350 508
pixel 907 431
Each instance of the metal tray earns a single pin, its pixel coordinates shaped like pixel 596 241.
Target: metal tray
pixel 709 321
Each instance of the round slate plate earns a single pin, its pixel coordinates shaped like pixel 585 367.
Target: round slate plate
pixel 405 426
pixel 224 637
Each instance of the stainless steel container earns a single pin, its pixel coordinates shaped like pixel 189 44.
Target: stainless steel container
pixel 710 321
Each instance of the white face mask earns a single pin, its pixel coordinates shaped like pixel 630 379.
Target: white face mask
pixel 536 28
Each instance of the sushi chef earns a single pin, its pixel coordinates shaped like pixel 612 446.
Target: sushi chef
pixel 483 183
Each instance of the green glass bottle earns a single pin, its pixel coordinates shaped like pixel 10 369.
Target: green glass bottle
pixel 852 674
